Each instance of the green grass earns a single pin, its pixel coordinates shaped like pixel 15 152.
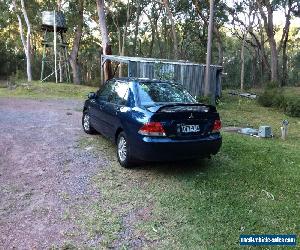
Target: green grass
pixel 47 90
pixel 251 186
pixel 292 91
pixel 242 112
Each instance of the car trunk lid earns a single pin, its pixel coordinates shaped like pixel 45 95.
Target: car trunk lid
pixel 185 121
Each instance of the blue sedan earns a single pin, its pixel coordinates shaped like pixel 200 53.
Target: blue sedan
pixel 152 120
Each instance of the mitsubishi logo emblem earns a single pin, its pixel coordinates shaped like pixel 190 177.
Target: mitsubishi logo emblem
pixel 191 116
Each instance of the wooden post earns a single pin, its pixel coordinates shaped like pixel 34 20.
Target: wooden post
pixel 284 129
pixel 44 56
pixel 55 41
pixel 283 132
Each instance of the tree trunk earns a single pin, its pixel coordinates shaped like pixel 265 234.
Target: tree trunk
pixel 265 66
pixel 74 53
pixel 216 31
pixel 284 66
pixel 283 44
pixel 119 40
pixel 140 48
pixel 105 39
pixel 243 50
pixel 152 40
pixel 274 59
pixel 174 34
pixel 254 69
pixel 154 33
pixel 243 62
pixel 136 30
pixel 207 86
pixel 124 38
pixel 59 5
pixel 60 67
pixel 219 45
pixel 269 28
pixel 26 43
pixel 165 38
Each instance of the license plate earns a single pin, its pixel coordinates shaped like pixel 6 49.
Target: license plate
pixel 190 128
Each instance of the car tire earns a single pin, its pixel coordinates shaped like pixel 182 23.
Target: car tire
pixel 86 123
pixel 123 151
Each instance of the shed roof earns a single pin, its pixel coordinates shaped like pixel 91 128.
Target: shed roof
pixel 127 59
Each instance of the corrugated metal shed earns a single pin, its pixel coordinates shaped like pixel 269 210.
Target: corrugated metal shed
pixel 190 75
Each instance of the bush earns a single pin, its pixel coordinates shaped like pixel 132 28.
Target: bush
pixel 275 97
pixel 293 107
pixel 203 99
pixel 272 85
pixel 272 97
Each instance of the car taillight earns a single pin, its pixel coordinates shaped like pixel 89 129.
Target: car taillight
pixel 217 126
pixel 152 129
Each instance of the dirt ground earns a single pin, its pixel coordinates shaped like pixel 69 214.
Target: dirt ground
pixel 43 173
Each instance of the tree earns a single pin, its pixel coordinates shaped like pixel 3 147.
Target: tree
pixel 136 25
pixel 73 58
pixel 218 22
pixel 250 20
pixel 243 16
pixel 153 18
pixel 26 43
pixel 266 9
pixel 174 33
pixel 208 55
pixel 286 31
pixel 106 47
pixel 122 52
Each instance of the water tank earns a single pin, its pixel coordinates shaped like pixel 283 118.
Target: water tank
pixel 48 20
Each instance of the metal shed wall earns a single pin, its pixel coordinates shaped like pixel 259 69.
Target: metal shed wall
pixel 190 75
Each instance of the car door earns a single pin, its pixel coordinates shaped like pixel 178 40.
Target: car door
pixel 111 110
pixel 97 106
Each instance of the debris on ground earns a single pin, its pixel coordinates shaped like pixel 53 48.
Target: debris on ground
pixel 261 132
pixel 246 95
pixel 248 131
pixel 231 129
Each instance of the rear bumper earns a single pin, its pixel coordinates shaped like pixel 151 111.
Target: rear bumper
pixel 166 149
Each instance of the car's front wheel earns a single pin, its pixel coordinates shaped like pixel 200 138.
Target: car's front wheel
pixel 123 151
pixel 86 123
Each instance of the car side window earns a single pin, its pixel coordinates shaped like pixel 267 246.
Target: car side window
pixel 119 93
pixel 105 92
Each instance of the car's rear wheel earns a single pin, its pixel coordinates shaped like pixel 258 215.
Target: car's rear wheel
pixel 86 123
pixel 123 151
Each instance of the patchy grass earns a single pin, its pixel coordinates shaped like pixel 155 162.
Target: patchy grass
pixel 251 186
pixel 47 90
pixel 243 112
pixel 292 91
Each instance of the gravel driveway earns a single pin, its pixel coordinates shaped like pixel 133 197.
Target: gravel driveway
pixel 43 173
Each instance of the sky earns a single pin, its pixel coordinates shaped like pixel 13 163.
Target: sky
pixel 279 19
pixel 278 16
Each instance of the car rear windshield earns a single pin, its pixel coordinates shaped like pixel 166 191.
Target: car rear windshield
pixel 163 92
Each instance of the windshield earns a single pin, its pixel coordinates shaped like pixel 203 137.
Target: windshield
pixel 151 93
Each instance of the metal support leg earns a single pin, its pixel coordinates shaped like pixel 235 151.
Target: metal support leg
pixel 43 62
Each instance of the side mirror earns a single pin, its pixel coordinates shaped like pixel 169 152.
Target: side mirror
pixel 92 95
